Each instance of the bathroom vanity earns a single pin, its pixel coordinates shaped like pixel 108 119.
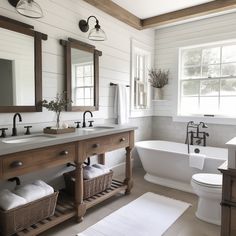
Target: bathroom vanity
pixel 228 216
pixel 19 158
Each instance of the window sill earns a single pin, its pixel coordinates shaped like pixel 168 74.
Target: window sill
pixel 209 120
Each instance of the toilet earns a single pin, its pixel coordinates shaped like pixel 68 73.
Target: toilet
pixel 208 187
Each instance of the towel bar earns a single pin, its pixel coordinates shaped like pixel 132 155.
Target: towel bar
pixel 113 84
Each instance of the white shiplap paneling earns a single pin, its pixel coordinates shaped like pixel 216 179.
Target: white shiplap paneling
pixel 169 40
pixel 60 22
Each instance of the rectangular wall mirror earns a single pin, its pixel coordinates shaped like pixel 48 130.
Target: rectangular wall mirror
pixel 82 75
pixel 20 67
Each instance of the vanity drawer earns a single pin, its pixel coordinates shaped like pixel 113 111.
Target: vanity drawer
pixel 120 140
pixel 24 162
pixel 98 145
pixel 107 143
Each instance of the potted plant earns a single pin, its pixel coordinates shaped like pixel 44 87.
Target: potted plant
pixel 58 105
pixel 158 79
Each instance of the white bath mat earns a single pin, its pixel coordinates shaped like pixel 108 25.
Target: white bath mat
pixel 148 215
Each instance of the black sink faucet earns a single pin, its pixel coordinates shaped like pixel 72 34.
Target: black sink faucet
pixel 14 130
pixel 84 122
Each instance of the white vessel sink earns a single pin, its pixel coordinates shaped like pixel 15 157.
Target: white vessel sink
pixel 26 139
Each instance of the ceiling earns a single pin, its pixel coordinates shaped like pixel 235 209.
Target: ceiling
pixel 148 8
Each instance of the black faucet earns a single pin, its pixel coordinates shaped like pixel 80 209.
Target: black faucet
pixel 14 130
pixel 84 122
pixel 196 135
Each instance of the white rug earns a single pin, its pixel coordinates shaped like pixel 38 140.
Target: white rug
pixel 148 215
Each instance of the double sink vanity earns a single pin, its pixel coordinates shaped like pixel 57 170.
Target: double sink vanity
pixel 25 154
pixel 21 91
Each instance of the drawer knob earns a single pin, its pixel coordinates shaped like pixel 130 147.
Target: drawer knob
pixel 16 164
pixel 122 139
pixel 96 145
pixel 64 153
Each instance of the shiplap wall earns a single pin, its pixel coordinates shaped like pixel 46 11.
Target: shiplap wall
pixel 167 43
pixel 60 22
pixel 169 40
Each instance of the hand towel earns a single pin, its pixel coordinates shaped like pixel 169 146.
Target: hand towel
pixel 105 169
pixel 31 192
pixel 197 160
pixel 121 104
pixel 90 172
pixel 9 200
pixel 48 189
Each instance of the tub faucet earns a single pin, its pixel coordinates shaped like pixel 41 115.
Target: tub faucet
pixel 14 130
pixel 84 122
pixel 197 135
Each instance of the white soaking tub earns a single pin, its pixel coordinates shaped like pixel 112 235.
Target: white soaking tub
pixel 167 163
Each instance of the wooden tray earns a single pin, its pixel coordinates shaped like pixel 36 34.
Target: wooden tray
pixel 59 131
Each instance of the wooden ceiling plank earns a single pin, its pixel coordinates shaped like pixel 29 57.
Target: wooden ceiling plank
pixel 116 11
pixel 187 13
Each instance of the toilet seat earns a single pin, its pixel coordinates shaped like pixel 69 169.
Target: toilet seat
pixel 208 180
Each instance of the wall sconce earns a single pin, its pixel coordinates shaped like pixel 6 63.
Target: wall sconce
pixel 95 34
pixel 28 8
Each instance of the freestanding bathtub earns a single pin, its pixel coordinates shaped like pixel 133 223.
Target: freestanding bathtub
pixel 167 163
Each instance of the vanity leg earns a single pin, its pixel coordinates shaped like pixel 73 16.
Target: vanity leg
pixel 128 171
pixel 81 207
pixel 101 158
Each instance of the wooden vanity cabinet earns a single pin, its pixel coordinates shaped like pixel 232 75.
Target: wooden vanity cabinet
pixel 228 204
pixel 25 162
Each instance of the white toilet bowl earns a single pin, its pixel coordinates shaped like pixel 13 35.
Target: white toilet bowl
pixel 208 187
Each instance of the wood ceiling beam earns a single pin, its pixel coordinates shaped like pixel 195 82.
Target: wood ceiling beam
pixel 125 16
pixel 188 13
pixel 116 11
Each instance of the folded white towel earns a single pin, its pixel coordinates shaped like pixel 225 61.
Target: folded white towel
pixel 90 172
pixel 48 189
pixel 197 160
pixel 105 169
pixel 31 192
pixel 9 200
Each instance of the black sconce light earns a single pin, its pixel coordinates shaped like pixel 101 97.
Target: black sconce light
pixel 28 8
pixel 95 34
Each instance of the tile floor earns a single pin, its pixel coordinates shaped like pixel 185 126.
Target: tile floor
pixel 186 225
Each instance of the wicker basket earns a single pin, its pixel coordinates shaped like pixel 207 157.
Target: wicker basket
pixel 91 186
pixel 19 218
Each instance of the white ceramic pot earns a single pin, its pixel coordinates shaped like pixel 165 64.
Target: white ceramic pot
pixel 158 94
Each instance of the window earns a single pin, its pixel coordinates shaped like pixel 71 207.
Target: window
pixel 208 80
pixel 140 89
pixel 83 89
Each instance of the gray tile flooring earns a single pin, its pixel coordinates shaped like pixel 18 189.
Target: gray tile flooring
pixel 186 225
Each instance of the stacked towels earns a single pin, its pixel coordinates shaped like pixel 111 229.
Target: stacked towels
pixel 24 195
pixel 9 200
pixel 94 171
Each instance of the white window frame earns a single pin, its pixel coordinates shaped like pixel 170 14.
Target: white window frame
pixel 74 86
pixel 144 50
pixel 217 119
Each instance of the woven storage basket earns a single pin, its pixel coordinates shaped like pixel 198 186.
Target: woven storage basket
pixel 91 186
pixel 19 218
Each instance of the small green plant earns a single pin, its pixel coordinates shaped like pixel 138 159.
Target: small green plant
pixel 58 105
pixel 158 77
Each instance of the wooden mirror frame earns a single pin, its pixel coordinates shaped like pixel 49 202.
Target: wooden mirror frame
pixel 68 45
pixel 23 28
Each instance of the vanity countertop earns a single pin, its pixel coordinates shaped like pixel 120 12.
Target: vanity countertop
pixel 79 134
pixel 231 142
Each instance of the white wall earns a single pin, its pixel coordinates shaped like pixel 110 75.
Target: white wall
pixel 169 40
pixel 60 22
pixel 167 43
